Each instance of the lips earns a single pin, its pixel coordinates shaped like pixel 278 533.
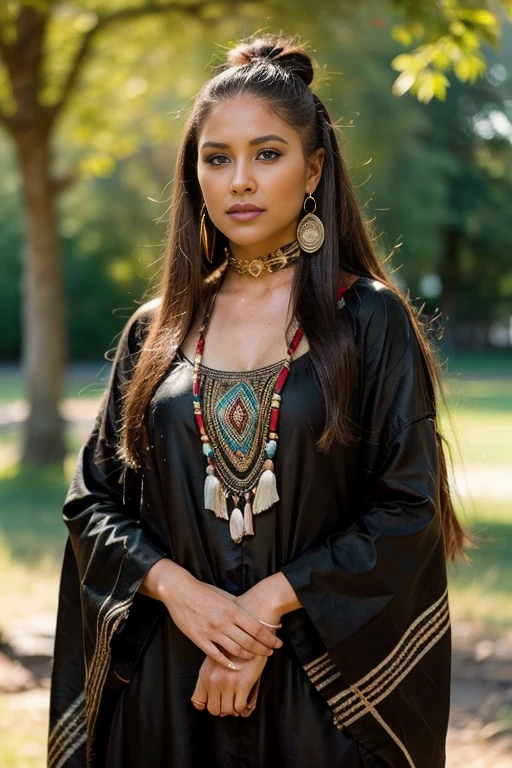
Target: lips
pixel 244 212
pixel 242 207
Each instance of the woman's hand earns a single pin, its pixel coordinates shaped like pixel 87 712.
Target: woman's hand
pixel 270 599
pixel 210 618
pixel 224 692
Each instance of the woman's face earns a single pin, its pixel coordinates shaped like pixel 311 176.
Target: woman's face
pixel 249 156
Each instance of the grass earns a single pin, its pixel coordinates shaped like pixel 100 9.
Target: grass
pixel 23 731
pixel 86 380
pixel 480 590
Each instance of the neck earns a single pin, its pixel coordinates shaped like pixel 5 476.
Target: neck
pixel 264 283
pixel 262 248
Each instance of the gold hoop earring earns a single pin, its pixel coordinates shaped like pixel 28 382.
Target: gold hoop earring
pixel 203 234
pixel 310 231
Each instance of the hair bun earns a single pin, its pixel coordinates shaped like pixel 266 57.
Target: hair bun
pixel 287 53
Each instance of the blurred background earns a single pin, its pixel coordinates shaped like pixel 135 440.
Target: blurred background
pixel 93 97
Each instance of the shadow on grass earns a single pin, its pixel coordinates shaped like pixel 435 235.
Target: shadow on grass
pixel 31 502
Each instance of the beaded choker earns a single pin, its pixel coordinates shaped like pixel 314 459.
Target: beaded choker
pixel 242 440
pixel 278 259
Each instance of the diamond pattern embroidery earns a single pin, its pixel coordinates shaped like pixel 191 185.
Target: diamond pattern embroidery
pixel 236 410
pixel 236 415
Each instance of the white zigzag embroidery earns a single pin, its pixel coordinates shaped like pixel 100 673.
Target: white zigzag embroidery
pixel 102 526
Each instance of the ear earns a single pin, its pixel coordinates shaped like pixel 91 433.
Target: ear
pixel 315 166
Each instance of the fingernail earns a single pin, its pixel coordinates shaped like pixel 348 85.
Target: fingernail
pixel 233 666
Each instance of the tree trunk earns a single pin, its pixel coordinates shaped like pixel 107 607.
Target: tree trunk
pixel 449 273
pixel 43 305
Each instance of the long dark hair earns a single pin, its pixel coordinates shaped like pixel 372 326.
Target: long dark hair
pixel 278 71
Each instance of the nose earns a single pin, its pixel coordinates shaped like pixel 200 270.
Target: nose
pixel 242 179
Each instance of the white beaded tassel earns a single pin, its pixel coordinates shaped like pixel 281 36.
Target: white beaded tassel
pixel 248 522
pixel 236 523
pixel 266 492
pixel 213 497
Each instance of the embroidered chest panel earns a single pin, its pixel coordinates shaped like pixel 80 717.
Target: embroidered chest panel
pixel 236 411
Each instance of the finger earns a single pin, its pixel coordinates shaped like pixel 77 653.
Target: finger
pixel 240 703
pixel 257 631
pixel 234 649
pixel 252 699
pixel 199 698
pixel 227 705
pixel 247 645
pixel 214 702
pixel 216 654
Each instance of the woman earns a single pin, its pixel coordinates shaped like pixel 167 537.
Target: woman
pixel 259 522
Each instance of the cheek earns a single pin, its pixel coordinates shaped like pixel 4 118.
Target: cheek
pixel 286 186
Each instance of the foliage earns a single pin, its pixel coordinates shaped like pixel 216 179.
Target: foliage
pixel 418 168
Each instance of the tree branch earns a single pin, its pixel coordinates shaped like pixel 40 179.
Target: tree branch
pixel 127 14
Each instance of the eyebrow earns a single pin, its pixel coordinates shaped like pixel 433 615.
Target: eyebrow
pixel 259 140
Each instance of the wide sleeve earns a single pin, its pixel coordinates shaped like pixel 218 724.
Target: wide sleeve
pixel 108 554
pixel 112 548
pixel 374 594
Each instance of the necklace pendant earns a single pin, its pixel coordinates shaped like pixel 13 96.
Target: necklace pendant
pixel 255 268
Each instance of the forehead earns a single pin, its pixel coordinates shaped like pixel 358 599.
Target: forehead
pixel 242 119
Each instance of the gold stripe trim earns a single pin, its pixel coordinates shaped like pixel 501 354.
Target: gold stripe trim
pixel 317 661
pixel 71 722
pixel 71 751
pixel 361 698
pixel 399 662
pixel 75 727
pixel 59 725
pixel 386 727
pixel 399 650
pixel 376 695
pixel 331 667
pixel 98 667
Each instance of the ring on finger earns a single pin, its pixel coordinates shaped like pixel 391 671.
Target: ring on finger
pixel 201 703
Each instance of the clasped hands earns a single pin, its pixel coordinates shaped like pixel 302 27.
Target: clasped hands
pixel 237 645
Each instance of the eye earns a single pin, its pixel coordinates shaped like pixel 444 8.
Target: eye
pixel 273 152
pixel 212 160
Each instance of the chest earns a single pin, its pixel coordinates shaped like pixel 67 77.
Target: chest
pixel 245 334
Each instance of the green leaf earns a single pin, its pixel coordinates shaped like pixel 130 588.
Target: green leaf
pixel 425 87
pixel 462 69
pixel 402 62
pixel 479 17
pixel 401 34
pixel 440 83
pixel 403 83
pixel 440 59
pixel 97 165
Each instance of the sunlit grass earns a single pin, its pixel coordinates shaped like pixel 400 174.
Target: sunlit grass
pixel 480 590
pixel 23 731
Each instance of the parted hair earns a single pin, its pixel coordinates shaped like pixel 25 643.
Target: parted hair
pixel 278 71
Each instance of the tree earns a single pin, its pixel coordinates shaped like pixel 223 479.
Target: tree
pixel 54 53
pixel 30 112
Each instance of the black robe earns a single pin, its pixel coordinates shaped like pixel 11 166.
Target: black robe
pixel 363 676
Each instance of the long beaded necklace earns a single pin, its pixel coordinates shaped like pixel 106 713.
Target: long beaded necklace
pixel 258 485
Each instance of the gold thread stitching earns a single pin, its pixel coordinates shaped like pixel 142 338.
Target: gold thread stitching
pixel 404 673
pixel 404 659
pixel 396 650
pixel 75 721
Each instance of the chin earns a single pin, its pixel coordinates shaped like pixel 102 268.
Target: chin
pixel 247 238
